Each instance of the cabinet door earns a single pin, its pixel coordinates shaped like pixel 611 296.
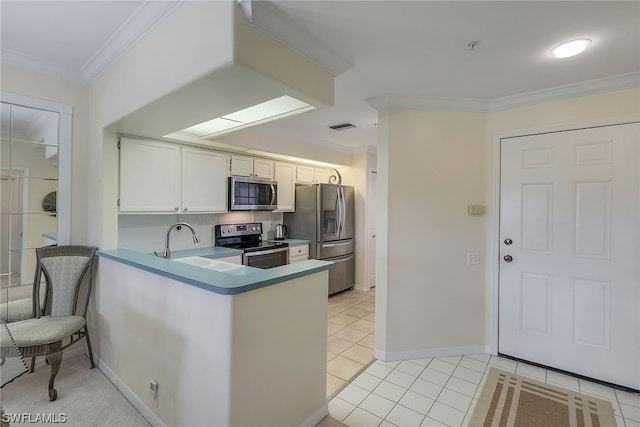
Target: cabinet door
pixel 298 253
pixel 285 175
pixel 305 174
pixel 204 181
pixel 241 166
pixel 322 175
pixel 263 168
pixel 149 176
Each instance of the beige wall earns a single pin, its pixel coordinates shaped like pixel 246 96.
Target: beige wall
pixel 431 165
pixel 36 85
pixel 432 298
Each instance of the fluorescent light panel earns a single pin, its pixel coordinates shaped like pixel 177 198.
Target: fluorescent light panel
pixel 257 113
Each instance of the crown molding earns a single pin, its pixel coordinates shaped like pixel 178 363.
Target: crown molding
pixel 590 87
pixel 36 64
pixel 267 18
pixel 141 21
pixel 428 103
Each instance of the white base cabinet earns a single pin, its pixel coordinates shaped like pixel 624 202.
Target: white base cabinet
pixel 161 177
pixel 298 253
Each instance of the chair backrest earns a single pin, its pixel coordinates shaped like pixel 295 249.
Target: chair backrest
pixel 64 269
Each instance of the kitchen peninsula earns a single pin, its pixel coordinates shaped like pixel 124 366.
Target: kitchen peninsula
pixel 240 346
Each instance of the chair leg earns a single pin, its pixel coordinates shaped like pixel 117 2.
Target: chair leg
pixel 86 331
pixel 55 359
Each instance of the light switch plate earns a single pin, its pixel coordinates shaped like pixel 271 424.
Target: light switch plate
pixel 473 258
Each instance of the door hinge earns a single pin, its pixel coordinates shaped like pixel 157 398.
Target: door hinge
pixel 118 203
pixel 118 144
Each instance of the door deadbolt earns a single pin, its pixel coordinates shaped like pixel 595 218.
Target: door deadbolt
pixel 508 241
pixel 508 258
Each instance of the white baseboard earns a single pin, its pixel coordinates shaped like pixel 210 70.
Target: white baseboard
pixel 316 417
pixel 430 352
pixel 129 394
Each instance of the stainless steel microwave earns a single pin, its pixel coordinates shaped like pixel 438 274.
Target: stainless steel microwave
pixel 252 194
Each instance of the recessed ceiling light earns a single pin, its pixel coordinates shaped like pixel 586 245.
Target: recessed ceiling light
pixel 570 48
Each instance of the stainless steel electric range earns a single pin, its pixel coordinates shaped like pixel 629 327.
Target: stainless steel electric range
pixel 248 238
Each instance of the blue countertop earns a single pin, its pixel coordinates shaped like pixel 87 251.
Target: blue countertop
pixel 51 235
pixel 231 282
pixel 291 242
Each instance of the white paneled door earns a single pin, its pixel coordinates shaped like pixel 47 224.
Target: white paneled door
pixel 570 251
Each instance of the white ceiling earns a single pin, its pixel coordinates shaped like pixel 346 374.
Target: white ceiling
pixel 411 49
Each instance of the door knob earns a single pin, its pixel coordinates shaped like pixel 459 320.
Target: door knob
pixel 508 241
pixel 508 258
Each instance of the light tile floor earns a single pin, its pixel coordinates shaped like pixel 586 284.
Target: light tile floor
pixel 438 391
pixel 443 392
pixel 350 338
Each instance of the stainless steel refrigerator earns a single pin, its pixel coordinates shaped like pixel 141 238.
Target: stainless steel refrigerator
pixel 324 216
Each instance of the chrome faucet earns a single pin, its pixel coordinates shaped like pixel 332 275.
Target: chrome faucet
pixel 167 252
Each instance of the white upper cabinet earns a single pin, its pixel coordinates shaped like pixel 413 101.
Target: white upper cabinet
pixel 149 176
pixel 285 174
pixel 322 175
pixel 204 179
pixel 254 167
pixel 311 175
pixel 161 177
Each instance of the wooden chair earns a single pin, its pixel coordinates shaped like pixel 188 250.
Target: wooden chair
pixel 62 323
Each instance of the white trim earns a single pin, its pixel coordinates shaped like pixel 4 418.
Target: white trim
pixel 316 417
pixel 139 23
pixel 590 87
pixel 385 102
pixel 36 64
pixel 493 261
pixel 133 398
pixel 431 352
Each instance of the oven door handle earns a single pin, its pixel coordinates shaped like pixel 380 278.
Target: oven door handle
pixel 265 252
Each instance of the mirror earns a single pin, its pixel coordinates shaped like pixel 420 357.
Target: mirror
pixel 29 180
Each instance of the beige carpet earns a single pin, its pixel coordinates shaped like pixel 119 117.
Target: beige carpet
pixel 511 400
pixel 85 397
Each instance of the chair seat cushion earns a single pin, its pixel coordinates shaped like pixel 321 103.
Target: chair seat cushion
pixel 44 330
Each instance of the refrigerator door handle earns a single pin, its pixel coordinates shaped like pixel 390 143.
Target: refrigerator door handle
pixel 333 245
pixel 338 211
pixel 343 211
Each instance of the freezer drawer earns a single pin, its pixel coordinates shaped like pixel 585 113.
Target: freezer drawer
pixel 334 249
pixel 342 276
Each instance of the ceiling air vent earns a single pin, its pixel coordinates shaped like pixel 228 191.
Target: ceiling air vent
pixel 343 126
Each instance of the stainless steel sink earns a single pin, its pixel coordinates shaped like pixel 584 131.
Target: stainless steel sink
pixel 208 263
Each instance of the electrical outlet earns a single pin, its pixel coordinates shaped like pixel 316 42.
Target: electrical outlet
pixel 473 258
pixel 153 389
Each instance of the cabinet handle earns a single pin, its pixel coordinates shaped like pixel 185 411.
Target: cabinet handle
pixel 177 208
pixel 185 209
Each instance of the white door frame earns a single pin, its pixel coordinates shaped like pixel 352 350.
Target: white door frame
pixel 493 244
